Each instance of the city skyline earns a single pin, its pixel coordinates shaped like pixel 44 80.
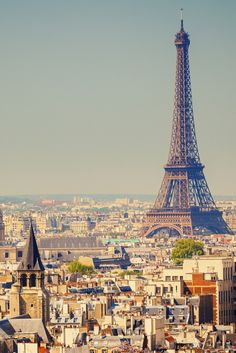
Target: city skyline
pixel 72 77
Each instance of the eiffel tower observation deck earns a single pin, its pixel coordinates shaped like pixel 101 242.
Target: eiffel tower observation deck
pixel 184 203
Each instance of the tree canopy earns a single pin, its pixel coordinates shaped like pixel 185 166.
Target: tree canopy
pixel 76 267
pixel 185 249
pixel 129 272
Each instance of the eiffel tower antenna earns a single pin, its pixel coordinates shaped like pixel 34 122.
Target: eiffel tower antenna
pixel 184 202
pixel 182 20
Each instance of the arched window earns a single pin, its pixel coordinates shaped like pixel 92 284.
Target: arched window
pixel 23 280
pixel 32 281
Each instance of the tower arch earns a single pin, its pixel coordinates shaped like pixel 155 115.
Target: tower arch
pixel 151 232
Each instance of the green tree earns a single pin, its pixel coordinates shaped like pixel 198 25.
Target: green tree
pixel 76 267
pixel 186 248
pixel 130 272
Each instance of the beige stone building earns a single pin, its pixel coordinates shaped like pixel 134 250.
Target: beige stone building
pixel 217 272
pixel 220 271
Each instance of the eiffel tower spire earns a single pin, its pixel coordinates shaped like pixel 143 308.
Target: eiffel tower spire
pixel 182 20
pixel 184 202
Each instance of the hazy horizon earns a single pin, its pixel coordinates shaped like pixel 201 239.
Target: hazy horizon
pixel 97 197
pixel 87 92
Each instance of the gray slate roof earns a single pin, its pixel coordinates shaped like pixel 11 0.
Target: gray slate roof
pixel 31 258
pixel 8 327
pixel 70 243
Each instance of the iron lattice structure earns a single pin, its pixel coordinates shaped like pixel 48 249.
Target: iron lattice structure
pixel 184 202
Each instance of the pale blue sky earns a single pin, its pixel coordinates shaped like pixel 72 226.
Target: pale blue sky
pixel 86 93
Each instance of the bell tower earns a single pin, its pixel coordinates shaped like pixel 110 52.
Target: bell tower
pixel 28 295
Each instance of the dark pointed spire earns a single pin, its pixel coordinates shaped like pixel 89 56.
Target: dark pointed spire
pixel 182 21
pixel 31 258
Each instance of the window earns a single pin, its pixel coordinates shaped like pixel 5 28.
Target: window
pixel 32 280
pixel 23 280
pixel 224 274
pixel 165 289
pixel 19 253
pixel 6 255
pixel 32 305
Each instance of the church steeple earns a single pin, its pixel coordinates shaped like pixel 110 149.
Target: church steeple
pixel 31 257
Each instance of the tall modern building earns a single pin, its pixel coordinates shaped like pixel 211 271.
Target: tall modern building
pixel 184 202
pixel 28 295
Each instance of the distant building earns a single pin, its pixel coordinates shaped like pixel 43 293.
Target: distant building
pixel 2 228
pixel 117 258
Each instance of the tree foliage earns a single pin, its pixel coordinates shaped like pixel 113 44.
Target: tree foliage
pixel 129 272
pixel 76 267
pixel 185 249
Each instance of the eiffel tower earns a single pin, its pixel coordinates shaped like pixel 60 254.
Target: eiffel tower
pixel 184 202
